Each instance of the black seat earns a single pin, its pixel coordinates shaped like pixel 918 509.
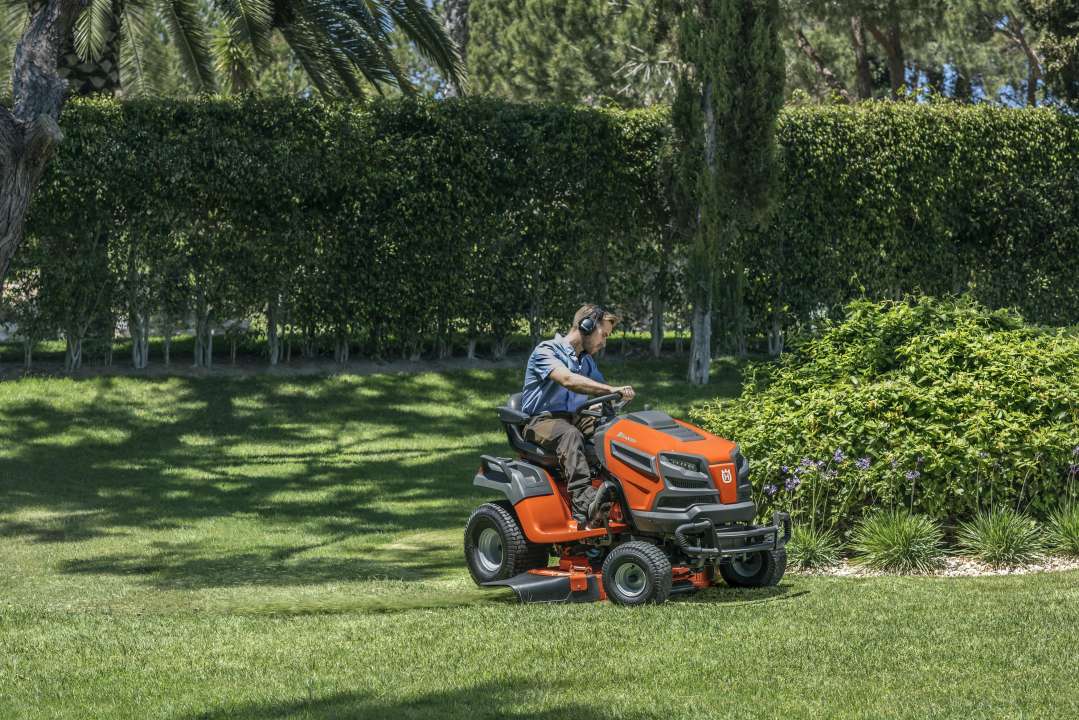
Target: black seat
pixel 513 420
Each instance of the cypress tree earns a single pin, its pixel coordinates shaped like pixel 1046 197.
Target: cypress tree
pixel 729 95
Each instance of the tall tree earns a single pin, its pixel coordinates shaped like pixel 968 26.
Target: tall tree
pixel 1059 20
pixel 729 95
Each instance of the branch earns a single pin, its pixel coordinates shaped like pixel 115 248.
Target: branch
pixel 36 87
pixel 1017 36
pixel 877 35
pixel 827 75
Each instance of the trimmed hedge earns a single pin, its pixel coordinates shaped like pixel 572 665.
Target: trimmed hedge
pixel 943 407
pixel 397 225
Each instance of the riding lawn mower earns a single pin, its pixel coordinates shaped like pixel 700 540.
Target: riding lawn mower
pixel 680 514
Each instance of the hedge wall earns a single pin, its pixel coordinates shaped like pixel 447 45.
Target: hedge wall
pixel 398 226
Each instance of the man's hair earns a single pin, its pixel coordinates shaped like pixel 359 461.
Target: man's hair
pixel 590 308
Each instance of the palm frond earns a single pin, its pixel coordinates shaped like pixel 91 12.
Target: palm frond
pixel 421 27
pixel 252 22
pixel 232 51
pixel 95 28
pixel 368 43
pixel 304 43
pixel 189 34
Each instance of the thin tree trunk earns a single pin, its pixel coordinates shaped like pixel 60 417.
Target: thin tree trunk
pixel 73 356
pixel 273 340
pixel 472 348
pixel 27 353
pixel 501 347
pixel 341 349
pixel 826 75
pixel 168 345
pixel 534 311
pixel 138 324
pixel 203 333
pixel 861 59
pixel 232 350
pixel 655 344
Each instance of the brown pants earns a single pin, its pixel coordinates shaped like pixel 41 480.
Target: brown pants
pixel 564 436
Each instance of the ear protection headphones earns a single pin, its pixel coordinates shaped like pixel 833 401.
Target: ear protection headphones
pixel 590 322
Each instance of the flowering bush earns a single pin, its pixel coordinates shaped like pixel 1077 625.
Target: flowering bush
pixel 944 406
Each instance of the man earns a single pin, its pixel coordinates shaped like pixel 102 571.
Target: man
pixel 560 374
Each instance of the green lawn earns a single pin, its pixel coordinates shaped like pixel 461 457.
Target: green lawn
pixel 265 547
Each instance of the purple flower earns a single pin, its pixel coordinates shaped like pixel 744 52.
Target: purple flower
pixel 863 463
pixel 784 470
pixel 806 462
pixel 838 456
pixel 792 483
pixel 920 460
pixel 1075 451
pixel 1074 469
pixel 818 464
pixel 913 475
pixel 895 464
pixel 983 454
pixel 770 490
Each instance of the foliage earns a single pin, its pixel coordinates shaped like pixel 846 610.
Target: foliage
pixel 1002 536
pixel 811 547
pixel 348 217
pixel 1064 528
pixel 1059 19
pixel 897 541
pixel 939 405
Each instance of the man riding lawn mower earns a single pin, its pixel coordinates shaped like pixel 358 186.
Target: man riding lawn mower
pixel 634 507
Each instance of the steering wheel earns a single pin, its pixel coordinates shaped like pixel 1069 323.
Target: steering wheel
pixel 612 404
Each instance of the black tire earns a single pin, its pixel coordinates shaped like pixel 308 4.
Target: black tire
pixel 759 569
pixel 637 573
pixel 495 546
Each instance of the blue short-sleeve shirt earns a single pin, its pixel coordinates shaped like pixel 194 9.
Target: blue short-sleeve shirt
pixel 540 391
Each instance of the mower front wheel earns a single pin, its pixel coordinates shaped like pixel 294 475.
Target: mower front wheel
pixel 763 568
pixel 495 546
pixel 637 573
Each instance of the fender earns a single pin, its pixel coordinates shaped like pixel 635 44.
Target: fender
pixel 515 478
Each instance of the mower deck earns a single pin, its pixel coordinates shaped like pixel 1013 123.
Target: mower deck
pixel 575 580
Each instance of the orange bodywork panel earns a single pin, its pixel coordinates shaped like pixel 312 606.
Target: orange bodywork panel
pixel 548 519
pixel 640 487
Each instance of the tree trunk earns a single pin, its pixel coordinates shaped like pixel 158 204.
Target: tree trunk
pixel 273 340
pixel 892 43
pixel 168 346
pixel 472 348
pixel 700 349
pixel 534 325
pixel 341 349
pixel 139 326
pixel 861 59
pixel 73 356
pixel 204 338
pixel 826 75
pixel 27 353
pixel 501 347
pixel 775 336
pixel 88 76
pixel 30 131
pixel 456 16
pixel 655 344
pixel 232 350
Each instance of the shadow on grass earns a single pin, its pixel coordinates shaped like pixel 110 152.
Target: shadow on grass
pixel 488 700
pixel 343 457
pixel 739 596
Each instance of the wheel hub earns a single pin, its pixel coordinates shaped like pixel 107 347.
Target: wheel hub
pixel 630 579
pixel 489 550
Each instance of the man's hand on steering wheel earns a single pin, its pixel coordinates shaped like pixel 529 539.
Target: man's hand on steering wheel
pixel 612 402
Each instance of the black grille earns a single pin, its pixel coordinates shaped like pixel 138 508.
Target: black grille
pixel 681 502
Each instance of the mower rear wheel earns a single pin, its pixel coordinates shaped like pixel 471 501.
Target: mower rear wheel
pixel 757 569
pixel 495 546
pixel 637 573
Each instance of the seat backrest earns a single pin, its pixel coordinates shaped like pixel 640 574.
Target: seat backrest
pixel 515 402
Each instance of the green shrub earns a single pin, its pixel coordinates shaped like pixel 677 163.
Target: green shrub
pixel 1002 537
pixel 896 541
pixel 939 405
pixel 1064 529
pixel 811 547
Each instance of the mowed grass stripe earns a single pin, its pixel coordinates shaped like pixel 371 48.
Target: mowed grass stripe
pixel 263 546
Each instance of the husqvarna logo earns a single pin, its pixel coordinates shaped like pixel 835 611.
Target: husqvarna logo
pixel 725 474
pixel 626 437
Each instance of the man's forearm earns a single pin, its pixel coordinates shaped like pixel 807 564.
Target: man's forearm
pixel 587 386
